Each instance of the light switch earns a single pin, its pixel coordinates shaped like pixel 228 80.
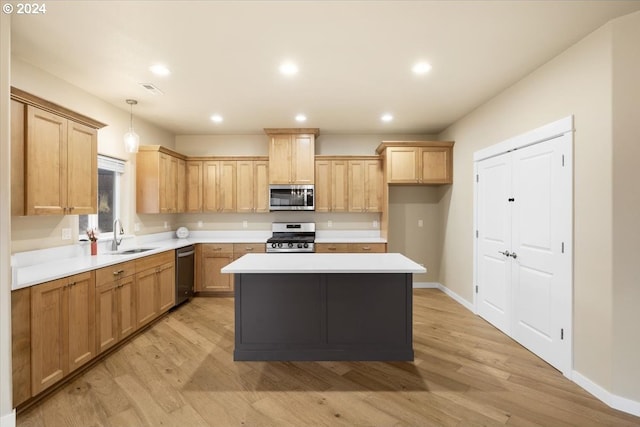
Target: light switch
pixel 66 234
pixel 199 224
pixel 420 223
pixel 136 226
pixel 244 224
pixel 166 225
pixel 329 224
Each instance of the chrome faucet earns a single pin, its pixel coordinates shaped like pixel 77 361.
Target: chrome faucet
pixel 116 230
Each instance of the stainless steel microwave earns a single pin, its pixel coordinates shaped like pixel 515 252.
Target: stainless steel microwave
pixel 292 197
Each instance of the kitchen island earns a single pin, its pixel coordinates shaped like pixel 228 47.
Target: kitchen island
pixel 308 306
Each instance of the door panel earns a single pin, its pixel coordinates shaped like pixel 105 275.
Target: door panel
pixel 494 236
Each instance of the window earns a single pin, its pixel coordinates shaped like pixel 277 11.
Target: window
pixel 109 173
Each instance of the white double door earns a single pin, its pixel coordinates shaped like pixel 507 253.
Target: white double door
pixel 523 217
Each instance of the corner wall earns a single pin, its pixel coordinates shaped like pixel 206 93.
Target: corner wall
pixel 577 82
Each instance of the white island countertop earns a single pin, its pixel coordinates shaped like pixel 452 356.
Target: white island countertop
pixel 324 263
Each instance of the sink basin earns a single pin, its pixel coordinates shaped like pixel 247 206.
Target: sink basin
pixel 134 251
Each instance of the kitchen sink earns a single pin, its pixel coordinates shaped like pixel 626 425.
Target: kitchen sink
pixel 133 251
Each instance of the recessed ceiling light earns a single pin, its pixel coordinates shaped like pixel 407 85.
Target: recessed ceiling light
pixel 216 118
pixel 159 70
pixel 301 118
pixel 386 117
pixel 288 68
pixel 421 68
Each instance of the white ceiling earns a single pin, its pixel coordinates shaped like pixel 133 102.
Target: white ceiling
pixel 355 57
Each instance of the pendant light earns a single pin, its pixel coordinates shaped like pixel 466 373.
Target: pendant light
pixel 131 138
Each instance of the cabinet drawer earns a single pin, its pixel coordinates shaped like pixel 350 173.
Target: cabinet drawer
pixel 211 249
pixel 368 247
pixel 248 248
pixel 113 272
pixel 153 261
pixel 331 247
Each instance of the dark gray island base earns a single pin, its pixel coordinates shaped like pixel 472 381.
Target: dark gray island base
pixel 323 316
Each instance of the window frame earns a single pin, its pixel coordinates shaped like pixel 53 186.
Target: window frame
pixel 113 165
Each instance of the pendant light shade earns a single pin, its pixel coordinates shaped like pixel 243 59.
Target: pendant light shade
pixel 131 138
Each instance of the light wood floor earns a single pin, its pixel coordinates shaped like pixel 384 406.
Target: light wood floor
pixel 180 373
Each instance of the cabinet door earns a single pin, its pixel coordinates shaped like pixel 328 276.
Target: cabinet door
pixel 45 163
pixel 402 165
pixel 21 344
pixel 356 186
pixel 126 307
pixel 48 322
pixel 436 165
pixel 323 186
pixel 82 169
pixel 106 316
pixel 373 185
pixel 261 186
pixel 280 160
pixel 81 317
pixel 194 186
pixel 146 296
pixel 303 156
pixel 339 185
pixel 212 258
pixel 245 186
pixel 227 185
pixel 17 159
pixel 168 183
pixel 181 192
pixel 210 186
pixel 166 278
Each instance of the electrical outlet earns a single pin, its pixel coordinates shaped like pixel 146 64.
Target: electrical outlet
pixel 166 225
pixel 66 234
pixel 244 224
pixel 375 224
pixel 329 224
pixel 199 224
pixel 136 226
pixel 420 223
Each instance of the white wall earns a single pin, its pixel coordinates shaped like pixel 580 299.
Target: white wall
pixel 580 82
pixel 626 206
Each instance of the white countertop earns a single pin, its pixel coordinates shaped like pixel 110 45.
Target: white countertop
pixel 35 267
pixel 324 263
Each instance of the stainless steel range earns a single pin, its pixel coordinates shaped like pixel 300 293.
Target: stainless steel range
pixel 292 237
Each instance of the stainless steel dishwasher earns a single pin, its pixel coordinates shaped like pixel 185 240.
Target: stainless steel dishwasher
pixel 184 273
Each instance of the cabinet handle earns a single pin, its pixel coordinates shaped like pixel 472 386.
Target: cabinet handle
pixel 217 249
pixel 366 248
pixel 332 248
pixel 248 249
pixel 115 273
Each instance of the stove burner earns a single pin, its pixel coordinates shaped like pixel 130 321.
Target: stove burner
pixel 284 239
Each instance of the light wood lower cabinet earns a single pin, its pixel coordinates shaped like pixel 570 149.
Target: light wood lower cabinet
pixel 62 328
pixel 155 286
pixel 351 247
pixel 21 344
pixel 210 258
pixel 115 304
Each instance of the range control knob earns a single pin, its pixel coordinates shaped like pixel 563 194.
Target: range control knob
pixel 306 245
pixel 299 245
pixel 273 245
pixel 290 245
pixel 279 245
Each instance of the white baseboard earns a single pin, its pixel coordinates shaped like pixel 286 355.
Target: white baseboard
pixel 8 420
pixel 616 402
pixel 429 285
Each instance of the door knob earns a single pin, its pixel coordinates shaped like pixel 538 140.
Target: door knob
pixel 505 253
pixel 514 255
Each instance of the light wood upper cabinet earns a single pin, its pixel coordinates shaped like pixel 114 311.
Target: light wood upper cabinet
pixel 181 194
pixel 194 186
pixel 62 328
pixel 61 165
pixel 54 158
pixel 332 186
pixel 291 155
pixel 219 186
pixel 365 185
pixel 417 162
pixel 252 186
pixel 157 180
